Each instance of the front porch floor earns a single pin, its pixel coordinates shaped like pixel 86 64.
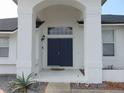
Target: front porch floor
pixel 66 75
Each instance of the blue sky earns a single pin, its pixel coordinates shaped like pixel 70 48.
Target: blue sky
pixel 8 8
pixel 113 7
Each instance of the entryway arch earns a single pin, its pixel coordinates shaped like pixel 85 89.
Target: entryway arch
pixel 91 9
pixel 63 18
pixel 46 3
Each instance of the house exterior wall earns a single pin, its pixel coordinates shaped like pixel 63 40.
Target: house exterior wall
pixel 118 60
pixel 113 75
pixel 27 13
pixel 87 39
pixel 8 64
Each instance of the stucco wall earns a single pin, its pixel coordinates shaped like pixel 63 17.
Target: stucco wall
pixel 118 60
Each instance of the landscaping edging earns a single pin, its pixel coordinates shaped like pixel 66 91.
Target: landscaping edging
pixel 103 86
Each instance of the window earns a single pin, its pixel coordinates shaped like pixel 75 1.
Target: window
pixel 60 31
pixel 4 46
pixel 108 42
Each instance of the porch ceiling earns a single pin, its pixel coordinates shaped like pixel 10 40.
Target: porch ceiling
pixel 103 1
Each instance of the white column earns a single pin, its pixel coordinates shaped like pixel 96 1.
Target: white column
pixel 93 47
pixel 26 25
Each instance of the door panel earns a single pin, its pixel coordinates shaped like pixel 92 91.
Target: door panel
pixel 60 52
pixel 52 52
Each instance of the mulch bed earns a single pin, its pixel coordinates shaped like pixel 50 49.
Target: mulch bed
pixel 103 86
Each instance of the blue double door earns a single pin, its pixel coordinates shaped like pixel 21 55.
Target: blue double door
pixel 60 52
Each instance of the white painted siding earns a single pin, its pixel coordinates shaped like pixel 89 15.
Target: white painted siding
pixel 7 69
pixel 118 60
pixel 8 64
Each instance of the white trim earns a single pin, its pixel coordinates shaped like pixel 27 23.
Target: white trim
pixel 8 32
pixel 107 24
pixel 112 24
pixel 45 43
pixel 114 42
pixel 59 36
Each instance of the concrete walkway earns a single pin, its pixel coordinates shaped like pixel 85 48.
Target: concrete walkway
pixel 65 88
pixel 55 87
pixel 58 88
pixel 65 75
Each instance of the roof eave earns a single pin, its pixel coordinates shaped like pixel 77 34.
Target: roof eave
pixel 103 1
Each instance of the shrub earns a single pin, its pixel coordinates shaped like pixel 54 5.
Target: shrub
pixel 21 84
